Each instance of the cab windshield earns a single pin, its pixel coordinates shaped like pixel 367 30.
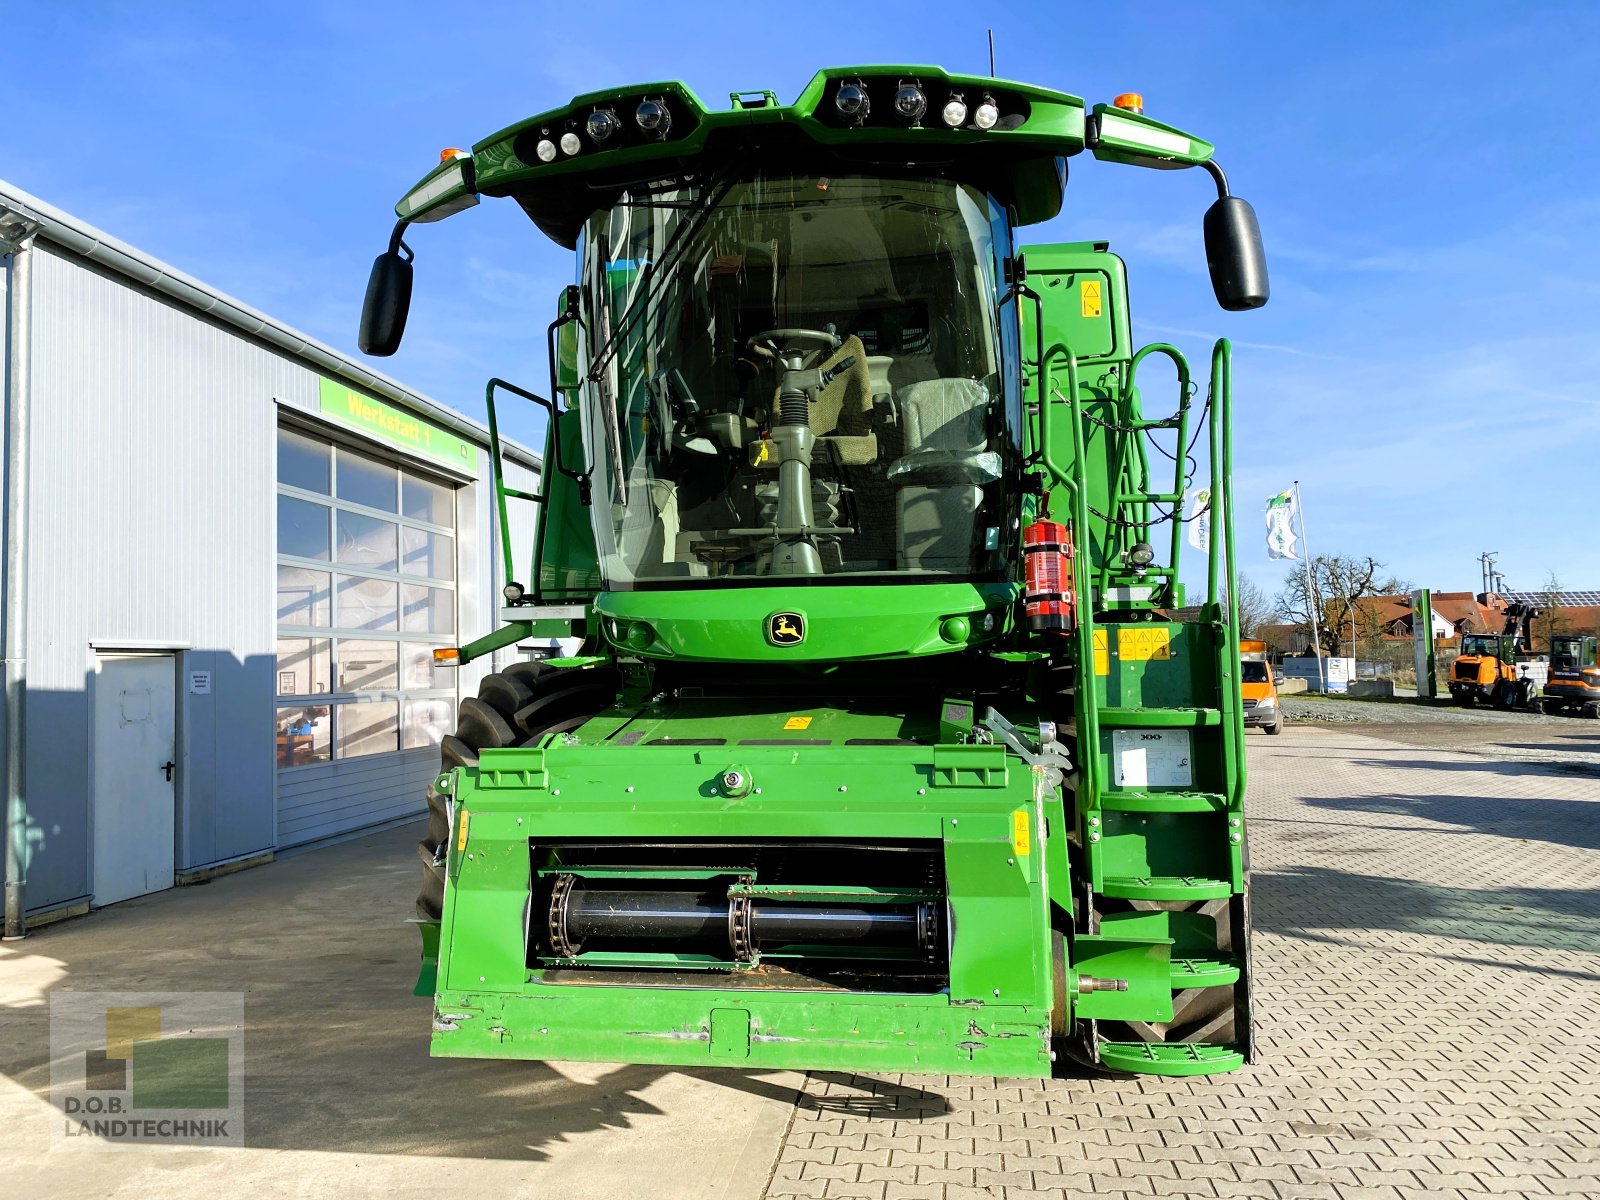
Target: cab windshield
pixel 1481 645
pixel 1566 653
pixel 798 377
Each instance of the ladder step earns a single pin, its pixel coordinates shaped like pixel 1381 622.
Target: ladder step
pixel 1173 802
pixel 1204 971
pixel 1170 1058
pixel 1112 718
pixel 1166 887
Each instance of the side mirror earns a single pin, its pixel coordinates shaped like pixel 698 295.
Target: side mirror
pixel 388 302
pixel 566 344
pixel 1235 256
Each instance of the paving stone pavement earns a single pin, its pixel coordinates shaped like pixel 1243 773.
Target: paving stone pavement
pixel 1427 960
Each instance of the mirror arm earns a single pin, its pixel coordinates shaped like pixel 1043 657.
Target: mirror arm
pixel 569 315
pixel 1214 169
pixel 396 244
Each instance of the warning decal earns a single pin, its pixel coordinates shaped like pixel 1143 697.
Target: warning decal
pixel 1021 836
pixel 1102 661
pixel 1089 290
pixel 1134 642
pixel 797 723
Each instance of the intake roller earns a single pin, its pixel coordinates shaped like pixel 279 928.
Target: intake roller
pixel 581 912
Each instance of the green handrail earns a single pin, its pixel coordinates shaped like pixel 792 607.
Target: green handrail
pixel 1180 458
pixel 1222 522
pixel 501 491
pixel 496 476
pixel 1088 795
pixel 1088 713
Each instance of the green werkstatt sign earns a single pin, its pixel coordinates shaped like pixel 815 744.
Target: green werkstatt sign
pixel 395 426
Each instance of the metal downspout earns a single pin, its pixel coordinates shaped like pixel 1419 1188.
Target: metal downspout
pixel 16 240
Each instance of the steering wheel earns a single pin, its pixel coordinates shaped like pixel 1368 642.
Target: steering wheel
pixel 770 343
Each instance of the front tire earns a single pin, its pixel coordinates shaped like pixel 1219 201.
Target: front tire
pixel 519 706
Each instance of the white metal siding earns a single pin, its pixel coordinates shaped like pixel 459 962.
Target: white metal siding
pixel 152 524
pixel 352 793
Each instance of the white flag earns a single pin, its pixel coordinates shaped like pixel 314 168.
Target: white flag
pixel 1280 526
pixel 1199 520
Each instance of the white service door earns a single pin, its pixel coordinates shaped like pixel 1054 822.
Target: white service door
pixel 135 797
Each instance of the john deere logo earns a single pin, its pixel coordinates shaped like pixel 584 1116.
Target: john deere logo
pixel 786 629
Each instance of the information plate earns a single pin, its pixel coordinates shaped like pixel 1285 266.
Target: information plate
pixel 1151 758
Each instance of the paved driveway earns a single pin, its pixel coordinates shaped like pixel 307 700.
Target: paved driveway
pixel 340 1096
pixel 1429 1010
pixel 1427 927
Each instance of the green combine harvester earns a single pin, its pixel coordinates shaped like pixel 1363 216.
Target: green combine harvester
pixel 885 749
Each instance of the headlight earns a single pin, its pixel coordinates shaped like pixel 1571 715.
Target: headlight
pixel 988 114
pixel 1269 702
pixel 653 117
pixel 909 102
pixel 955 112
pixel 1141 554
pixel 601 124
pixel 513 593
pixel 546 150
pixel 570 143
pixel 851 100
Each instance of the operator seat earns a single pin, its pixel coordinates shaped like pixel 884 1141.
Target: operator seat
pixel 942 473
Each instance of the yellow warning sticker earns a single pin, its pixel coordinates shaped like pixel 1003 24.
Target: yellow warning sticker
pixel 1102 659
pixel 1021 839
pixel 1089 291
pixel 797 723
pixel 1137 643
pixel 461 831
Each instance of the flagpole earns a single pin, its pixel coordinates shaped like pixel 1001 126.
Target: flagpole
pixel 1311 596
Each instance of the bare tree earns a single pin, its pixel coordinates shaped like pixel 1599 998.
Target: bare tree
pixel 1551 619
pixel 1337 582
pixel 1255 609
pixel 1396 585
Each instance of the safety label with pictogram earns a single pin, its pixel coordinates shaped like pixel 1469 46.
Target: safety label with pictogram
pixel 1141 644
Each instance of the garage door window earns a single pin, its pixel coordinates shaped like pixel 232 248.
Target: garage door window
pixel 366 591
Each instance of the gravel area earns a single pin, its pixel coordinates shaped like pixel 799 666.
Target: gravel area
pixel 1408 712
pixel 1570 744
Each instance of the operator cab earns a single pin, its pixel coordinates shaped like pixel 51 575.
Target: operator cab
pixel 1485 645
pixel 798 376
pixel 1571 652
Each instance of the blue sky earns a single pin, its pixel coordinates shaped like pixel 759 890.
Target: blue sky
pixel 1427 178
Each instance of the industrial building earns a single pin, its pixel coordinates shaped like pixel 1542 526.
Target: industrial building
pixel 231 552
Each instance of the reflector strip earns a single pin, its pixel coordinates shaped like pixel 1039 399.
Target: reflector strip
pixel 1124 130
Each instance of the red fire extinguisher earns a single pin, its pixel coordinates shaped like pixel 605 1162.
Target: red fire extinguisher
pixel 1047 562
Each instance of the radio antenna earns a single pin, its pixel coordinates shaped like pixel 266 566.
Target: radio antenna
pixel 991 54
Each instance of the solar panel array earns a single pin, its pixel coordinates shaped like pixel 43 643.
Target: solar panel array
pixel 1581 599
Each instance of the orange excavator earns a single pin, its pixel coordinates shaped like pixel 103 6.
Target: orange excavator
pixel 1573 689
